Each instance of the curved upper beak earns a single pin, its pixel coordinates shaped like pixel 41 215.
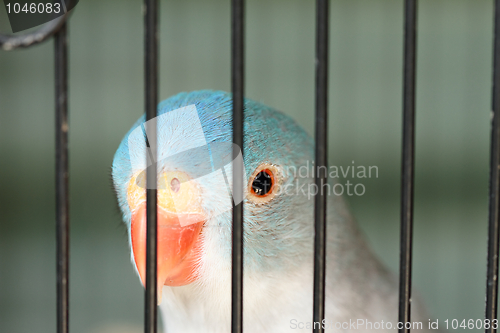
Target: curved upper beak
pixel 180 221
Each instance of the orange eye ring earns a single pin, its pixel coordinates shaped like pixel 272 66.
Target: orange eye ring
pixel 263 183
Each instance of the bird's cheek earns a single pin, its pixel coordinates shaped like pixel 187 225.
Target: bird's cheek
pixel 178 246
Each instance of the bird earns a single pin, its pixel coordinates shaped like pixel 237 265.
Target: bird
pixel 194 171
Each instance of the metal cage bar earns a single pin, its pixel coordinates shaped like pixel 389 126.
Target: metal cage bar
pixel 407 162
pixel 62 178
pixel 151 102
pixel 11 42
pixel 321 162
pixel 237 88
pixel 58 29
pixel 494 185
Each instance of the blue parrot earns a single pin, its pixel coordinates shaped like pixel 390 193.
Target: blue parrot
pixel 194 225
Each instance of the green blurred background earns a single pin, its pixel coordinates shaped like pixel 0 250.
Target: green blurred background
pixel 106 97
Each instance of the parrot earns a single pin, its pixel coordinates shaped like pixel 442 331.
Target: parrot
pixel 194 170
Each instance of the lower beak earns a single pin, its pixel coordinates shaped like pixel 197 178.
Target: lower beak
pixel 178 246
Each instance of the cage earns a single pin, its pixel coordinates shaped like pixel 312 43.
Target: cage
pixel 454 74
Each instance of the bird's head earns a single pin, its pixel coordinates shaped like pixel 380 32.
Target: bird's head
pixel 194 189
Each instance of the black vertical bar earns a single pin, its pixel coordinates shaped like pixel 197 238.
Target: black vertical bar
pixel 321 161
pixel 408 162
pixel 62 179
pixel 151 102
pixel 492 270
pixel 237 87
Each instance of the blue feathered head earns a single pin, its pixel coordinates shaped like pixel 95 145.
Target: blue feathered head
pixel 194 165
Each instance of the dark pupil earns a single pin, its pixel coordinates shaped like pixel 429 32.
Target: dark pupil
pixel 262 183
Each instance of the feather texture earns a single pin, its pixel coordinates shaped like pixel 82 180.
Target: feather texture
pixel 278 234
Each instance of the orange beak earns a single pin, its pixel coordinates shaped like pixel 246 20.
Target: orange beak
pixel 180 220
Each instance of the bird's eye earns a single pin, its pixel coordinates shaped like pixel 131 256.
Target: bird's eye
pixel 263 183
